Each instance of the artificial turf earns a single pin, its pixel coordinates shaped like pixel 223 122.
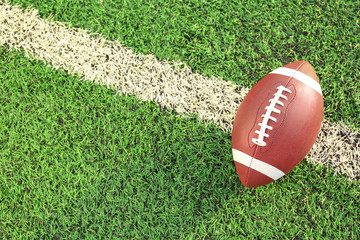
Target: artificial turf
pixel 79 161
pixel 240 41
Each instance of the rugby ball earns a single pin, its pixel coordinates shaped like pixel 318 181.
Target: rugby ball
pixel 277 123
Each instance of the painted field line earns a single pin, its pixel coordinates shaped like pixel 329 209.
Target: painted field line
pixel 110 63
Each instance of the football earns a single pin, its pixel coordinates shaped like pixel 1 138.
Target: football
pixel 277 123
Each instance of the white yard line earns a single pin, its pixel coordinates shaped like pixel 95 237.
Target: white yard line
pixel 110 63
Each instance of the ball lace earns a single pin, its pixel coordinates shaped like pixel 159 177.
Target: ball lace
pixel 270 109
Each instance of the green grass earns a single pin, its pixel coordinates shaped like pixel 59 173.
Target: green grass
pixel 240 41
pixel 78 161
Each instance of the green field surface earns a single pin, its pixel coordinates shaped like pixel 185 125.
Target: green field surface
pixel 78 161
pixel 240 41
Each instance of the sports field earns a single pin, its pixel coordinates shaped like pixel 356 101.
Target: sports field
pixel 116 117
